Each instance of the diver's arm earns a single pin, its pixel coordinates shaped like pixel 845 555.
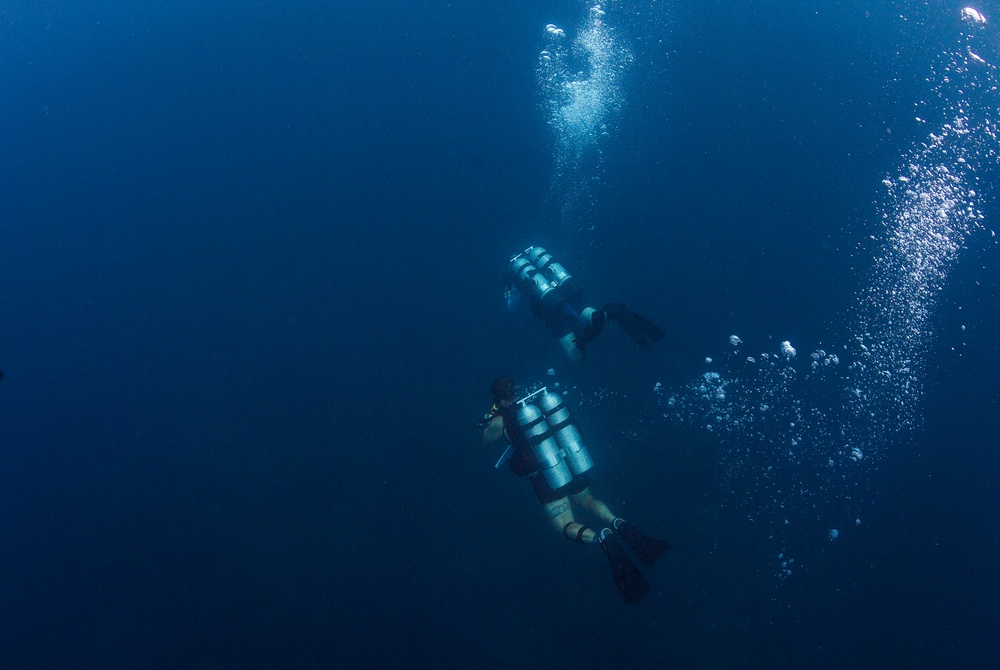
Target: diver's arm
pixel 493 433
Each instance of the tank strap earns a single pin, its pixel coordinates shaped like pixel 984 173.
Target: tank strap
pixel 568 421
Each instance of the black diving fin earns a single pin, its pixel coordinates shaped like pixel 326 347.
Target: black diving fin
pixel 647 549
pixel 650 329
pixel 631 583
pixel 637 327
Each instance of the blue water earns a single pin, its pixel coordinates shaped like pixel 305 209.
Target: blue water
pixel 250 259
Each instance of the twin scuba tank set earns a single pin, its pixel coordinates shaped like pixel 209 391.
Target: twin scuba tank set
pixel 536 273
pixel 556 445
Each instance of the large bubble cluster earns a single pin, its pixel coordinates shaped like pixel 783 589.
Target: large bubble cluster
pixel 799 436
pixel 930 210
pixel 791 458
pixel 581 93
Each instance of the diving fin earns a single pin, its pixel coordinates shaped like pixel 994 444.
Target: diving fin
pixel 639 328
pixel 647 549
pixel 651 330
pixel 631 583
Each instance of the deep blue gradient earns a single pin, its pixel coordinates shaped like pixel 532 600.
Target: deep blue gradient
pixel 250 259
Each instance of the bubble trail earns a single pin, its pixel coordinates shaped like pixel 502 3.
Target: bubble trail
pixel 930 211
pixel 798 439
pixel 581 92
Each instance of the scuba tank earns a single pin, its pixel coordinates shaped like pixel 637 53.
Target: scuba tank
pixel 556 445
pixel 555 272
pixel 560 423
pixel 544 447
pixel 535 272
pixel 530 280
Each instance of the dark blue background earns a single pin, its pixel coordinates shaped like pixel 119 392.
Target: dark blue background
pixel 250 258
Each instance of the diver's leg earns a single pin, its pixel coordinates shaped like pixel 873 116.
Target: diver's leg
pixel 586 327
pixel 587 501
pixel 561 514
pixel 630 582
pixel 648 549
pixel 590 324
pixel 570 346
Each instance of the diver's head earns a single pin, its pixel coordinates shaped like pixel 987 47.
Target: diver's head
pixel 503 389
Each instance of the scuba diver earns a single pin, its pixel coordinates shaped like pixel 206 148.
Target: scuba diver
pixel 544 445
pixel 555 298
